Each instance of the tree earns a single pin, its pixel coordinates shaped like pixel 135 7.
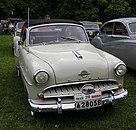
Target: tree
pixel 132 4
pixel 110 9
pixel 117 8
pixel 4 10
pixel 92 10
pixel 79 10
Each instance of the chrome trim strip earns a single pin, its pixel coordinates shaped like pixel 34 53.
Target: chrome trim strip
pixel 57 96
pixel 80 82
pixel 71 106
pixel 78 56
pixel 40 70
pixel 24 77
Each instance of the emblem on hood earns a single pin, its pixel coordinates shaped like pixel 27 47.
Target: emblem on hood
pixel 84 74
pixel 88 89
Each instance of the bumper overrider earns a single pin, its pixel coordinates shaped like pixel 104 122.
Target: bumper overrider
pixel 59 106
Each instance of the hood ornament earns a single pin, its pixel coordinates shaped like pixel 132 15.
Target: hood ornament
pixel 88 89
pixel 84 74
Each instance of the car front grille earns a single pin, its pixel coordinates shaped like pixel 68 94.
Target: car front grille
pixel 67 91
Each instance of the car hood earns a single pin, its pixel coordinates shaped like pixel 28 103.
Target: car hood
pixel 72 63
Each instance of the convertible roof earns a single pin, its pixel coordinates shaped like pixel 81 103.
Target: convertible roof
pixel 33 22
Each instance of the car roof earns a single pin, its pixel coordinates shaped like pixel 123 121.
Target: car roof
pixel 124 20
pixel 89 24
pixel 33 22
pixel 19 21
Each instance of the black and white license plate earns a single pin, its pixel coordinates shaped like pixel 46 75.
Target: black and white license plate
pixel 88 104
pixel 83 101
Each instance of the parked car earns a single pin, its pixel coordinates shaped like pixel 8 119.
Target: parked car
pixel 1 28
pixel 118 37
pixel 16 37
pixel 92 28
pixel 62 71
pixel 17 31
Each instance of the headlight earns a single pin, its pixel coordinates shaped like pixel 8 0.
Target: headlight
pixel 41 77
pixel 90 33
pixel 120 70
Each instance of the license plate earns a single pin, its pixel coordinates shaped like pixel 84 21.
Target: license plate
pixel 83 101
pixel 88 104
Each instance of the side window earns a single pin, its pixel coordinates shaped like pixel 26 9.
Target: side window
pixel 132 27
pixel 107 29
pixel 120 29
pixel 23 35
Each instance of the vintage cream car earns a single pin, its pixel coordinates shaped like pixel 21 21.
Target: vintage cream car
pixel 62 71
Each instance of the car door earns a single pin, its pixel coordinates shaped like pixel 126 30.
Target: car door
pixel 103 37
pixel 113 40
pixel 131 55
pixel 131 46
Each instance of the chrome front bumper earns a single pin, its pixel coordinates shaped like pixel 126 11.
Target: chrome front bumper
pixel 59 107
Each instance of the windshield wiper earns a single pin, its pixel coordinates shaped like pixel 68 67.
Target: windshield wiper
pixel 71 39
pixel 51 42
pixel 45 43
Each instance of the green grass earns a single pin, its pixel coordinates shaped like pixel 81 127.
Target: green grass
pixel 15 113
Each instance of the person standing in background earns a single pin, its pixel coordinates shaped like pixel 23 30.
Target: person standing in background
pixel 47 16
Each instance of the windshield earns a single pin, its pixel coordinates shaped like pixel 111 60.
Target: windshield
pixel 53 34
pixel 19 25
pixel 91 26
pixel 132 27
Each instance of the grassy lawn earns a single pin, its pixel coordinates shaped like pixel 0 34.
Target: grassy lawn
pixel 15 113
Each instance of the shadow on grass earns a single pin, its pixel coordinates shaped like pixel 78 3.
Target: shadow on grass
pixel 131 72
pixel 86 119
pixel 78 116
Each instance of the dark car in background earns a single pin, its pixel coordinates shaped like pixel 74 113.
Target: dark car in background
pixel 92 28
pixel 1 28
pixel 118 37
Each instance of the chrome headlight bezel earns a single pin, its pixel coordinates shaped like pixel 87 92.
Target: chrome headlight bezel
pixel 90 33
pixel 120 69
pixel 41 76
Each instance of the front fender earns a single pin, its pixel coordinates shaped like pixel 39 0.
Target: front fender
pixel 32 64
pixel 112 61
pixel 97 42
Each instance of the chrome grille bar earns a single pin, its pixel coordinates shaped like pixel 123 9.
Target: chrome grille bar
pixel 75 88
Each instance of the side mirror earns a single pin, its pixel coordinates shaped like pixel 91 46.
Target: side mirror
pixel 19 42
